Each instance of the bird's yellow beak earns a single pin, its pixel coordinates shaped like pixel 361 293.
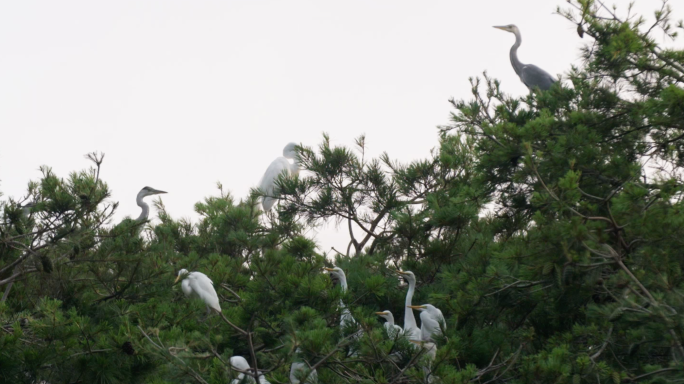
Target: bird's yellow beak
pixel 416 306
pixel 328 269
pixel 381 313
pixel 177 278
pixel 501 28
pixel 401 272
pixel 416 342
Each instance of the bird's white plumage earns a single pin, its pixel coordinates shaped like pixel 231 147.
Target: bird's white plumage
pixel 298 370
pixel 432 322
pixel 280 165
pixel 392 329
pixel 411 329
pixel 239 363
pixel 429 356
pixel 197 284
pixel 346 317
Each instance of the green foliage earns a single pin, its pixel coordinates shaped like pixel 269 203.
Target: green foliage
pixel 548 229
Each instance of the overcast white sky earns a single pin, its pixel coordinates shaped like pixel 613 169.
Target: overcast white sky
pixel 182 94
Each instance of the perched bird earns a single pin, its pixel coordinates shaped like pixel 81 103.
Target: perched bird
pixel 346 318
pixel 432 321
pixel 392 329
pixel 430 353
pixel 197 284
pixel 411 329
pixel 241 365
pixel 146 191
pixel 531 75
pixel 298 370
pixel 277 167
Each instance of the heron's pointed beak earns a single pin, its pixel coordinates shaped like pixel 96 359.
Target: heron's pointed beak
pixel 158 192
pixel 501 28
pixel 177 278
pixel 328 269
pixel 416 306
pixel 416 342
pixel 401 272
pixel 381 313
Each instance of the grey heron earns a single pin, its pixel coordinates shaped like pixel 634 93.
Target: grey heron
pixel 146 191
pixel 531 75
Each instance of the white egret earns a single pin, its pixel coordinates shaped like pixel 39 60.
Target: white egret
pixel 430 353
pixel 277 167
pixel 298 370
pixel 392 329
pixel 411 329
pixel 197 284
pixel 432 321
pixel 146 191
pixel 346 318
pixel 241 365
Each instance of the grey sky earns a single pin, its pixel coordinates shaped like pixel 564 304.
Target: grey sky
pixel 182 94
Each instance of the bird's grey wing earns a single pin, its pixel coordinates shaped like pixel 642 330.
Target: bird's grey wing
pixel 533 76
pixel 204 288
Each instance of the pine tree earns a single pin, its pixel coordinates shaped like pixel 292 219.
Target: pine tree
pixel 548 229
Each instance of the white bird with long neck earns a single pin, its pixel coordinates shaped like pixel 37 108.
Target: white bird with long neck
pixel 432 321
pixel 346 318
pixel 146 191
pixel 197 284
pixel 411 329
pixel 531 75
pixel 392 329
pixel 241 365
pixel 280 165
pixel 430 353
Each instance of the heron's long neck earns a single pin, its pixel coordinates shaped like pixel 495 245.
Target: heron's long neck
pixel 343 284
pixel 145 209
pixel 517 65
pixel 390 320
pixel 409 318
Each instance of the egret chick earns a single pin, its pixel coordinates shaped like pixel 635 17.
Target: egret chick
pixel 392 329
pixel 432 321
